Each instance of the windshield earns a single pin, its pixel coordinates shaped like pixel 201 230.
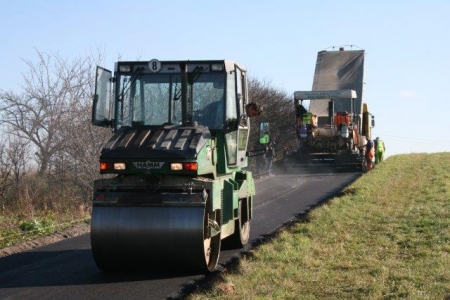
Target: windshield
pixel 155 99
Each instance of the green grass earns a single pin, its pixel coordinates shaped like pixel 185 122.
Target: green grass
pixel 386 236
pixel 14 231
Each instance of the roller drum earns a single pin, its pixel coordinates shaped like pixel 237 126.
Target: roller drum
pixel 138 236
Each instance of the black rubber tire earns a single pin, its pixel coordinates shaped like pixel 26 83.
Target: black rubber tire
pixel 241 234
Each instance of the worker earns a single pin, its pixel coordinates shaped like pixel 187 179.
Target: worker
pixel 379 150
pixel 270 153
pixel 369 152
pixel 211 115
pixel 252 110
pixel 285 152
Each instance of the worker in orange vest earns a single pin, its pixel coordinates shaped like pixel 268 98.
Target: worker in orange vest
pixel 370 152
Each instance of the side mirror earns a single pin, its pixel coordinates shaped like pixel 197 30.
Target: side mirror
pixel 373 121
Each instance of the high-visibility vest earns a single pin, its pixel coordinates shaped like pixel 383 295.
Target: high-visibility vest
pixel 380 146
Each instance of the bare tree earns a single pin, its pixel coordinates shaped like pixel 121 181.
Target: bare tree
pixel 56 99
pixel 40 112
pixel 82 150
pixel 18 157
pixel 52 114
pixel 5 175
pixel 278 110
pixel 13 158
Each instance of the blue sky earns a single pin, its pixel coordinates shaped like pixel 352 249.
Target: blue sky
pixel 406 42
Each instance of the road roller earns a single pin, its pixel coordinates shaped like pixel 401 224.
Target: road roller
pixel 174 184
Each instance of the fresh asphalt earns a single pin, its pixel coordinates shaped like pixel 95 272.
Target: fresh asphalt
pixel 66 270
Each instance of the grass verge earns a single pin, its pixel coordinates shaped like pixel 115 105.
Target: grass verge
pixel 14 232
pixel 386 236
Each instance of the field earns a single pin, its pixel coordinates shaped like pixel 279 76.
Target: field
pixel 386 236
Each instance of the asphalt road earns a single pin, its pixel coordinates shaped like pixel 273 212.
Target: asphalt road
pixel 66 270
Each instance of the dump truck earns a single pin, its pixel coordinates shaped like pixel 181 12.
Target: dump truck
pixel 333 130
pixel 174 183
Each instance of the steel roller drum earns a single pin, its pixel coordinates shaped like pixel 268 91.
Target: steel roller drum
pixel 146 236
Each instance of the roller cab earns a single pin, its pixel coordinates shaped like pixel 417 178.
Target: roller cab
pixel 173 183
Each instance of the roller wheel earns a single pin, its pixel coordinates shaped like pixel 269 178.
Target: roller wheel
pixel 242 228
pixel 211 239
